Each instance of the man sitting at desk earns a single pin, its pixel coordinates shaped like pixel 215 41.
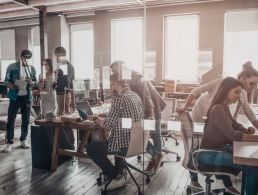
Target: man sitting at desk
pixel 125 104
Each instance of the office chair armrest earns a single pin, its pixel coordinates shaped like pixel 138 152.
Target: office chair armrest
pixel 198 151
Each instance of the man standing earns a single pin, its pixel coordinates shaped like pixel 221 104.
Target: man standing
pixel 125 104
pixel 19 79
pixel 65 76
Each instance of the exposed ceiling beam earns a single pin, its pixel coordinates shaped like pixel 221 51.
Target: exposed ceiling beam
pixel 7 7
pixel 23 2
pixel 20 13
pixel 90 5
pixel 53 2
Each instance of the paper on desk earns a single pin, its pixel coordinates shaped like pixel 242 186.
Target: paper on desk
pixel 254 154
pixel 245 149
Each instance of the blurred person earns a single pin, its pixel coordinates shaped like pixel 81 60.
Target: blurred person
pixel 47 91
pixel 20 77
pixel 64 82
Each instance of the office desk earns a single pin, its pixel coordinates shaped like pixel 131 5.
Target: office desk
pixel 58 125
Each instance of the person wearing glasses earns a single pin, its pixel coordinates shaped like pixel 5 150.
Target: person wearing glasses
pixel 204 94
pixel 19 79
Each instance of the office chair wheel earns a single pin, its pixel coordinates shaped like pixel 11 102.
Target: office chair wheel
pixel 139 158
pixel 162 163
pixel 177 143
pixel 188 191
pixel 103 192
pixel 140 193
pixel 99 182
pixel 178 158
pixel 147 180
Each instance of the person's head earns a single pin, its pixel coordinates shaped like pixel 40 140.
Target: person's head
pixel 116 66
pixel 136 78
pixel 25 56
pixel 117 85
pixel 248 77
pixel 228 92
pixel 60 54
pixel 47 63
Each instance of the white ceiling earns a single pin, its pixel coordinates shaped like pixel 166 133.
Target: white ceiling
pixel 22 8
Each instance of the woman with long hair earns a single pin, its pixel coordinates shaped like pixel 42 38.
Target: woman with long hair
pixel 221 130
pixel 47 91
pixel 204 94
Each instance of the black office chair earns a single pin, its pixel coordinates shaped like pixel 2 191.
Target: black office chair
pixel 191 146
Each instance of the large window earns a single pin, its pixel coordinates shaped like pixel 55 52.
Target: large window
pixel 181 45
pixel 241 40
pixel 34 46
pixel 82 50
pixel 7 50
pixel 127 42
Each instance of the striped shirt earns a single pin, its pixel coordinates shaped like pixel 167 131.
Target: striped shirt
pixel 126 105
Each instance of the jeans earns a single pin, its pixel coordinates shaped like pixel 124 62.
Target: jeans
pixel 24 104
pixel 98 152
pixel 225 159
pixel 155 148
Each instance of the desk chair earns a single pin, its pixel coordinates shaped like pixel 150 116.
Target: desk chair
pixel 191 146
pixel 138 142
pixel 168 114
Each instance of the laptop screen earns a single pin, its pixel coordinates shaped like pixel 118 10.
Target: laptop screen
pixel 84 109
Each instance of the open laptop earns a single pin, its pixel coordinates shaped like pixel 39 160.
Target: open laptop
pixel 84 109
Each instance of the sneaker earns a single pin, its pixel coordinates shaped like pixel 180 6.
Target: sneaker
pixel 25 144
pixel 158 161
pixel 8 148
pixel 232 190
pixel 150 167
pixel 118 182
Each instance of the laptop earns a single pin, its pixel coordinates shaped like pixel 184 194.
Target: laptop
pixel 84 109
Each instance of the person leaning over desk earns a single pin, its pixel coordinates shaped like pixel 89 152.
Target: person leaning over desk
pixel 221 130
pixel 248 77
pixel 125 104
pixel 19 79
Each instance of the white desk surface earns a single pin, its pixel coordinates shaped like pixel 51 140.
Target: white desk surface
pixel 245 153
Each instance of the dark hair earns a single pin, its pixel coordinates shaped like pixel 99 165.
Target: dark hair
pixel 115 78
pixel 117 63
pixel 26 54
pixel 226 85
pixel 248 71
pixel 60 50
pixel 49 63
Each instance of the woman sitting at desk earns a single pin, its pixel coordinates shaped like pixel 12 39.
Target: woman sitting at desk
pixel 248 78
pixel 221 130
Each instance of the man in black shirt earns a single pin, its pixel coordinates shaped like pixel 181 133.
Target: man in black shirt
pixel 64 78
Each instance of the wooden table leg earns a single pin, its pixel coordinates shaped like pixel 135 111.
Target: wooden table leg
pixel 55 149
pixel 84 140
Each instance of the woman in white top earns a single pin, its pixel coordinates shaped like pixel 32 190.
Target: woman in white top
pixel 47 92
pixel 248 78
pixel 204 95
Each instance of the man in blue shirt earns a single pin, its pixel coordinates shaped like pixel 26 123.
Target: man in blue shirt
pixel 19 79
